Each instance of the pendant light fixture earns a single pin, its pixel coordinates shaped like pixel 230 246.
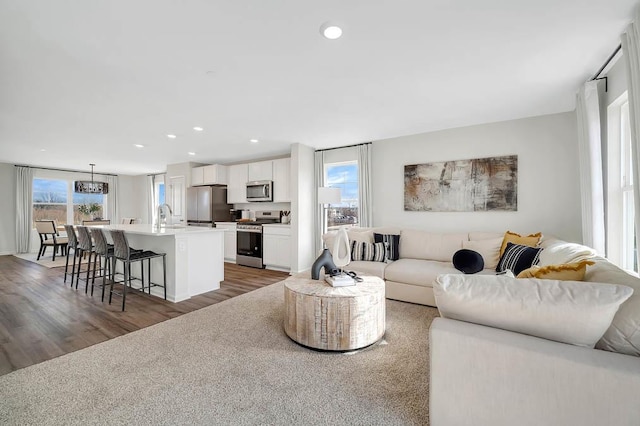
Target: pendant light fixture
pixel 91 187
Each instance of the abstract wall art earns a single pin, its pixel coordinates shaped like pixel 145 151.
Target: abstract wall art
pixel 481 184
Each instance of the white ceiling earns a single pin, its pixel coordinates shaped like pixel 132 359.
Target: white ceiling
pixel 85 80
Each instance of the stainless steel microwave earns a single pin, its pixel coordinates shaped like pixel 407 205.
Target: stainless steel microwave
pixel 260 190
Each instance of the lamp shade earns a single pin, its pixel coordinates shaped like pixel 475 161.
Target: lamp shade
pixel 328 195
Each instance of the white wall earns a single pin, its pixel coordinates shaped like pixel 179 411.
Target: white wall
pixel 548 184
pixel 7 209
pixel 302 207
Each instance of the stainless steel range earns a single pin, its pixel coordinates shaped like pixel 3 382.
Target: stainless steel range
pixel 249 239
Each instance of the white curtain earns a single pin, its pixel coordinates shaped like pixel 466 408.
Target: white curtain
pixel 590 153
pixel 24 208
pixel 365 188
pixel 151 195
pixel 631 53
pixel 113 211
pixel 319 210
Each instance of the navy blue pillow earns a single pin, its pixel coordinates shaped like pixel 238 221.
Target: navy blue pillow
pixel 468 261
pixel 517 258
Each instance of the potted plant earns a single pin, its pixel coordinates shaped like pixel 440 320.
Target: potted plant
pixel 89 209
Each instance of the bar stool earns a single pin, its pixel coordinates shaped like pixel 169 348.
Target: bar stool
pixel 85 246
pixel 73 244
pixel 122 252
pixel 104 253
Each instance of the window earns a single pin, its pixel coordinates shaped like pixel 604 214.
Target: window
pixel 621 242
pixel 51 201
pixel 343 175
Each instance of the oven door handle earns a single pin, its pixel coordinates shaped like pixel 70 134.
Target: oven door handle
pixel 253 231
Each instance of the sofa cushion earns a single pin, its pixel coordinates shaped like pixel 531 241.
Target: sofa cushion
pixel 517 258
pixel 374 252
pixel 417 271
pixel 489 249
pixel 367 268
pixel 565 272
pixel 571 312
pixel 391 243
pixel 478 236
pixel 560 252
pixel 468 261
pixel 624 334
pixel 416 244
pixel 531 240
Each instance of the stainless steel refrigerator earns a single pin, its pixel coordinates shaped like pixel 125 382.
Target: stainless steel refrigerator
pixel 206 205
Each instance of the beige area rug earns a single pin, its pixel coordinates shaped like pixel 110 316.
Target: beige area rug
pixel 45 260
pixel 230 364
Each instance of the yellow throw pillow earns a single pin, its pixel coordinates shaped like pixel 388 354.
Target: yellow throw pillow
pixel 511 237
pixel 564 272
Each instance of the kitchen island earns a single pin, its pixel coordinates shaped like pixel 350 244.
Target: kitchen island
pixel 195 262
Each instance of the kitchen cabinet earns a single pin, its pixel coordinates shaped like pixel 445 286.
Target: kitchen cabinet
pixel 237 184
pixel 197 176
pixel 230 242
pixel 276 247
pixel 261 170
pixel 214 174
pixel 282 180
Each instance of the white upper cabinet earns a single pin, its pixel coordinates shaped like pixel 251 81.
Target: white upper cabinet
pixel 237 184
pixel 214 174
pixel 197 176
pixel 281 180
pixel 262 170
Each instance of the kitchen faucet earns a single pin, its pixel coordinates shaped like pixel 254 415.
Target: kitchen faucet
pixel 162 214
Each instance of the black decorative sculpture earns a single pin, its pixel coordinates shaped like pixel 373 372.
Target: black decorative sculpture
pixel 324 260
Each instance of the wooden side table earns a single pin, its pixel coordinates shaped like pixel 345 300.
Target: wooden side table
pixel 320 316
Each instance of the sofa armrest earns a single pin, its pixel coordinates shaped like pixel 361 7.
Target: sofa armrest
pixel 486 376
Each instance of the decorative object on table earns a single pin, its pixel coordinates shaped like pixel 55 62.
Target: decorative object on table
pixel 325 260
pixel 286 217
pixel 89 209
pixel 341 257
pixel 468 261
pixel 482 184
pixel 91 187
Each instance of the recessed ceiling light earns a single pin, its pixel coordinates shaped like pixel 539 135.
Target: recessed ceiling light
pixel 170 136
pixel 253 140
pixel 198 129
pixel 330 30
pixel 42 150
pixel 191 153
pixel 137 145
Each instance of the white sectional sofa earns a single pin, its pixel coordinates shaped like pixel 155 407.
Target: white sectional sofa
pixel 423 256
pixel 492 375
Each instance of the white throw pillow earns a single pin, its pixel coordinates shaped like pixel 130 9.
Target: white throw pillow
pixel 560 252
pixel 488 249
pixel 571 312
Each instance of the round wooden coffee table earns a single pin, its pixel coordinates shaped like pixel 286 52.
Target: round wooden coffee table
pixel 320 316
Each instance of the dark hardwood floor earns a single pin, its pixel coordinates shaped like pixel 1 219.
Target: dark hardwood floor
pixel 42 318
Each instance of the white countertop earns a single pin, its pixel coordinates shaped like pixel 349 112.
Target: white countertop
pixel 148 229
pixel 277 224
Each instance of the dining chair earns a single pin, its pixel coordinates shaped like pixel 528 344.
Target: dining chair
pixel 49 238
pixel 123 253
pixel 73 244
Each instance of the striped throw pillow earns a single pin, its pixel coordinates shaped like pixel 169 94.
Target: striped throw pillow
pixel 517 258
pixel 361 250
pixel 391 244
